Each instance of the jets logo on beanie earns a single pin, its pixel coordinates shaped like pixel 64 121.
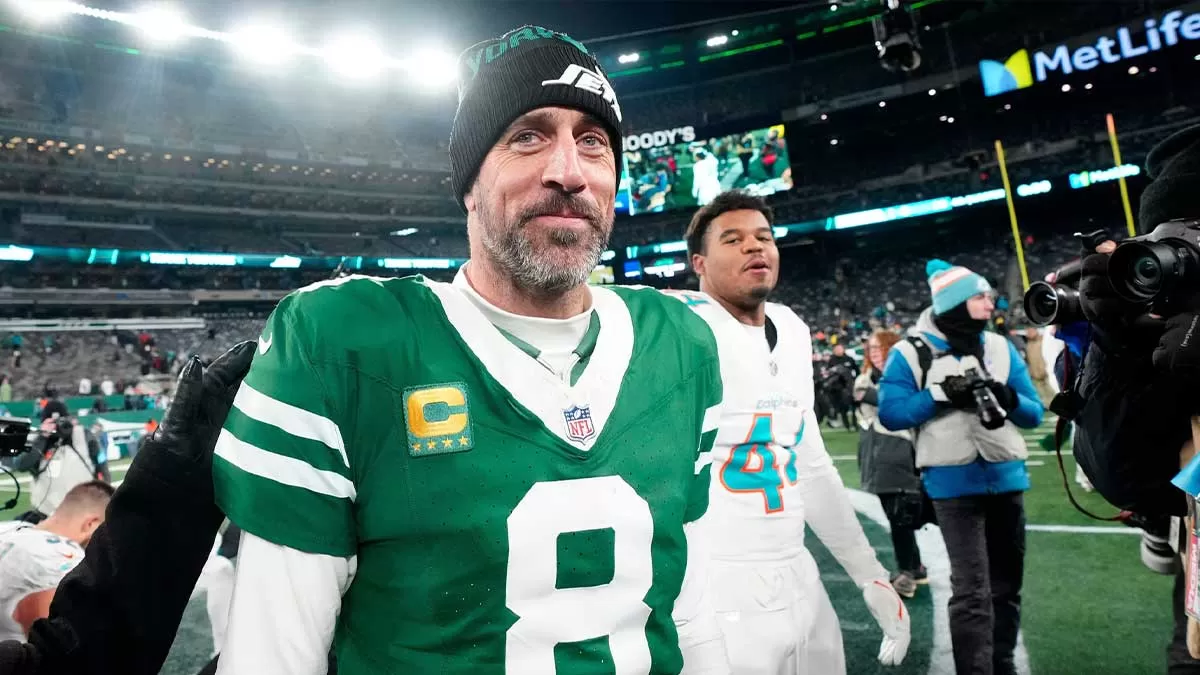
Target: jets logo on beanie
pixel 525 69
pixel 952 285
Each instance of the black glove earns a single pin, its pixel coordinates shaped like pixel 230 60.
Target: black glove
pixel 203 397
pixel 1005 395
pixel 18 658
pixel 117 612
pixel 1099 301
pixel 1178 351
pixel 958 392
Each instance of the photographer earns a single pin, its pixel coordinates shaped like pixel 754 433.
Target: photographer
pixel 965 391
pixel 59 460
pixel 1137 389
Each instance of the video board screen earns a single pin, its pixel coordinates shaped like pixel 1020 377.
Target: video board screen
pixel 693 171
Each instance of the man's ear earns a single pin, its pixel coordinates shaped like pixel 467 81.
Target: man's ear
pixel 698 264
pixel 469 198
pixel 89 526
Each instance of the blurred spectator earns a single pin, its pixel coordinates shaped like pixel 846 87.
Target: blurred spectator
pixel 6 390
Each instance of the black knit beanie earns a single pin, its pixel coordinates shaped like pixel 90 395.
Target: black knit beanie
pixel 1174 190
pixel 525 69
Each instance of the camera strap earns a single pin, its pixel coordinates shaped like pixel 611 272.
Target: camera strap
pixel 1066 405
pixel 924 357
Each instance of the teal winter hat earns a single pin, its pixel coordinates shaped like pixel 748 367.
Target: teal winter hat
pixel 952 285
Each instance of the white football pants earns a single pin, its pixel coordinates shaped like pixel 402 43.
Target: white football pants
pixel 777 618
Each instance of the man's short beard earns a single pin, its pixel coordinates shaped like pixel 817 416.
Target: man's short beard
pixel 760 293
pixel 513 251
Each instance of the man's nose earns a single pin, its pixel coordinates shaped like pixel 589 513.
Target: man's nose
pixel 564 170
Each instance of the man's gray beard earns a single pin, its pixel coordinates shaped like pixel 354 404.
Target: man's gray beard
pixel 512 251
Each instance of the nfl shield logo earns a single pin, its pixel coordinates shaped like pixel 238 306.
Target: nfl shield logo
pixel 579 423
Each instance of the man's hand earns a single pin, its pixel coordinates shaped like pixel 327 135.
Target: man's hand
pixel 1097 297
pixel 1178 351
pixel 954 391
pixel 892 616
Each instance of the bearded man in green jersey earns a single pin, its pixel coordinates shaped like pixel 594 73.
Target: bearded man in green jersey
pixel 491 476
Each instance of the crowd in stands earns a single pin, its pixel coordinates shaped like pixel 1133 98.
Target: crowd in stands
pixel 841 297
pixel 102 363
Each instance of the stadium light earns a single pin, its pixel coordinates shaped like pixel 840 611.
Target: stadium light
pixel 1008 106
pixel 262 44
pixel 1196 57
pixel 162 25
pixel 717 40
pixel 1154 69
pixel 1088 85
pixel 883 104
pixel 833 141
pixel 44 11
pixel 629 58
pixel 1133 70
pixel 734 32
pixel 942 118
pixel 950 120
pixel 405 232
pixel 433 69
pixel 1066 88
pixel 833 7
pixel 355 57
pixel 933 92
pixel 824 117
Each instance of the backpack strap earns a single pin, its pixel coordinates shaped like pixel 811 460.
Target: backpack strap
pixel 924 357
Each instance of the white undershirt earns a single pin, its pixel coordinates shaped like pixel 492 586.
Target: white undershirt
pixel 555 338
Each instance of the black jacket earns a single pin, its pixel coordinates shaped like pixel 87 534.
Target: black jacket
pixel 1130 430
pixel 119 610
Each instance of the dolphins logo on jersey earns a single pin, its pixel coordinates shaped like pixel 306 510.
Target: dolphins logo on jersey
pixel 579 423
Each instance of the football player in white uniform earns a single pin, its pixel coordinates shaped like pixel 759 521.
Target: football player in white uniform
pixel 34 558
pixel 771 473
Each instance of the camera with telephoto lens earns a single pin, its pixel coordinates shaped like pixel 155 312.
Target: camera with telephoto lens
pixel 1056 303
pixel 991 414
pixel 1158 269
pixel 14 436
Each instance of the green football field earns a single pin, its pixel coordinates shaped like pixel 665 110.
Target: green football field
pixel 1089 604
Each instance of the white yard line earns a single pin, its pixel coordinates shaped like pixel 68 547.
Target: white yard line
pixel 1084 529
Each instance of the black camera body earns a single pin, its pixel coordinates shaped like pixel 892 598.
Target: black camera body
pixel 991 414
pixel 1159 268
pixel 14 436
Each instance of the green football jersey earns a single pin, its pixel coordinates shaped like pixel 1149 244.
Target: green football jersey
pixel 505 521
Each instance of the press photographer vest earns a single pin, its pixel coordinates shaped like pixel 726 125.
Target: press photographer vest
pixel 956 437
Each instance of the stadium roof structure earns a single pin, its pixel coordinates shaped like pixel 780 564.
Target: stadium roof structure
pixel 642 59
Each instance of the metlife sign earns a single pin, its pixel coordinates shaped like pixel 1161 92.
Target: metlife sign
pixel 1022 70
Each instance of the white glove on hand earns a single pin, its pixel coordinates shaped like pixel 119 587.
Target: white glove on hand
pixel 892 616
